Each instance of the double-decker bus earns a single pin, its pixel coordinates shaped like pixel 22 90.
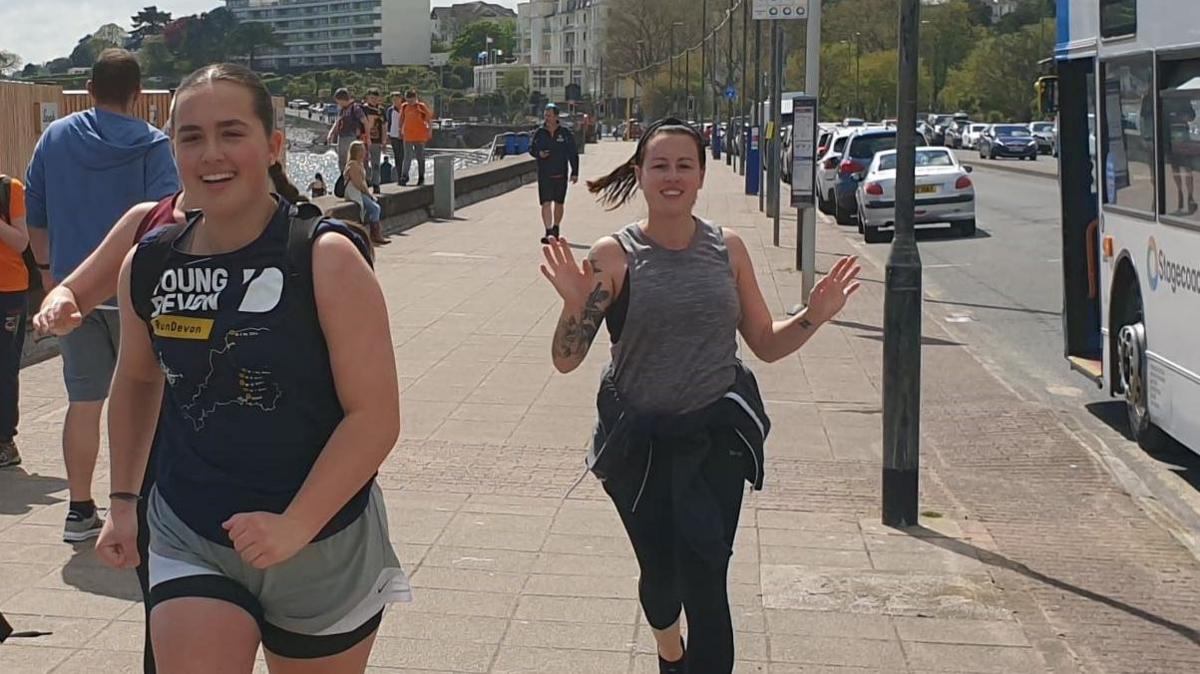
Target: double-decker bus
pixel 1128 103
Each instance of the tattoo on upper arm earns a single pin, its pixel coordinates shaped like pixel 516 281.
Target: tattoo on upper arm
pixel 575 333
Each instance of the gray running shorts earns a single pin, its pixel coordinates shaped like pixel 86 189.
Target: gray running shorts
pixel 89 356
pixel 321 602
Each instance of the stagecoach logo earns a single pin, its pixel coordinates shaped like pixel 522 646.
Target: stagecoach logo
pixel 1162 270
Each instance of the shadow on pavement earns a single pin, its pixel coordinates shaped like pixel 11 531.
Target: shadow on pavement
pixel 1173 455
pixel 998 560
pixel 21 491
pixel 85 572
pixel 927 341
pixel 997 307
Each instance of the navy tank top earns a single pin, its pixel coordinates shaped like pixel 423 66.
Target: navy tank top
pixel 249 396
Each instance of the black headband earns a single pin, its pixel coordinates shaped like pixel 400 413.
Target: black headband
pixel 666 124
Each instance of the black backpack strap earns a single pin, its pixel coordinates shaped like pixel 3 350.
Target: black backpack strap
pixel 150 260
pixel 305 218
pixel 5 186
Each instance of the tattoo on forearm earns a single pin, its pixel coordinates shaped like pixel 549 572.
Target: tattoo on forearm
pixel 575 333
pixel 806 324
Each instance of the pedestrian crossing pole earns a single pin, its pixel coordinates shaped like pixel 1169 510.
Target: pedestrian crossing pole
pixel 902 302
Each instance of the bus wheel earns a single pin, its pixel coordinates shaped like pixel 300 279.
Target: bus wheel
pixel 1131 356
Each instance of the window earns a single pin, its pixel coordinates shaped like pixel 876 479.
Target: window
pixel 1179 106
pixel 1128 128
pixel 1118 17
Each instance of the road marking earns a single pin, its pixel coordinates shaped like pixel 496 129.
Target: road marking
pixel 960 318
pixel 1065 391
pixel 947 266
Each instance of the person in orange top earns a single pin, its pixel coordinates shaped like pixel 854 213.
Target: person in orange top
pixel 14 283
pixel 415 121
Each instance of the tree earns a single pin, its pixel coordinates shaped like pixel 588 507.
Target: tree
pixel 250 38
pixel 997 77
pixel 156 59
pixel 31 70
pixel 146 23
pixel 473 41
pixel 59 66
pixel 8 61
pixel 948 37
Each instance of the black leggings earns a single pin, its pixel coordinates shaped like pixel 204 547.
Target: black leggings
pixel 673 576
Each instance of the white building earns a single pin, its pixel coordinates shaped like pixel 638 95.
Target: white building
pixel 562 41
pixel 448 22
pixel 361 33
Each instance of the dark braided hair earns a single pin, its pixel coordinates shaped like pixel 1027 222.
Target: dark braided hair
pixel 616 188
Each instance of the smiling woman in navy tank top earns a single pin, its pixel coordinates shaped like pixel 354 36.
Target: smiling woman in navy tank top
pixel 266 526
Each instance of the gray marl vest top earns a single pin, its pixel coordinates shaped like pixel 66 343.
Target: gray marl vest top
pixel 678 346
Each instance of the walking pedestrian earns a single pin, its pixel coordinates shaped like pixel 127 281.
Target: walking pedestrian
pixel 416 119
pixel 358 191
pixel 14 284
pixel 86 171
pixel 681 421
pixel 558 161
pixel 350 125
pixel 266 524
pixel 94 281
pixel 375 132
pixel 396 131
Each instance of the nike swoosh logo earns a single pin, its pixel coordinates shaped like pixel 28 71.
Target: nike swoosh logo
pixel 382 587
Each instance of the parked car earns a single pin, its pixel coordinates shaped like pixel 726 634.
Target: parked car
pixel 1046 135
pixel 860 150
pixel 944 193
pixel 298 104
pixel 955 132
pixel 888 123
pixel 970 137
pixel 827 168
pixel 1008 140
pixel 937 125
pixel 851 122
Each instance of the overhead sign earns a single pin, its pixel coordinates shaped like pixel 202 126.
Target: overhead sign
pixel 804 155
pixel 776 10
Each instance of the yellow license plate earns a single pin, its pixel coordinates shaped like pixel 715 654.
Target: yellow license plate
pixel 926 189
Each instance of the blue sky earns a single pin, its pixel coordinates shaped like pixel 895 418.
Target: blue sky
pixel 46 29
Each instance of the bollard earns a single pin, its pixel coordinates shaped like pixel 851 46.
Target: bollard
pixel 443 187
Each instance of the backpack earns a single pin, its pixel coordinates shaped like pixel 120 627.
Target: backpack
pixel 151 259
pixel 385 171
pixel 35 276
pixel 339 187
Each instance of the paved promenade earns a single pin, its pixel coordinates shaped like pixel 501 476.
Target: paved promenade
pixel 1030 559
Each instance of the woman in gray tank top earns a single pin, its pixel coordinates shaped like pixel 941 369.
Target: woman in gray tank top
pixel 675 291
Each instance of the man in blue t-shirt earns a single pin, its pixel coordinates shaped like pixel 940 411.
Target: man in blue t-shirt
pixel 86 171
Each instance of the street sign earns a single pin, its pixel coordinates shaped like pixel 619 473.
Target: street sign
pixel 804 136
pixel 777 10
pixel 730 92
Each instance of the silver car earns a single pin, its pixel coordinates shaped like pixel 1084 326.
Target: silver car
pixel 944 193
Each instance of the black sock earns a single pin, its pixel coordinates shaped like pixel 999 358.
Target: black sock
pixel 84 509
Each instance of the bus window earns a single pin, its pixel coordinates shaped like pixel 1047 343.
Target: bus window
pixel 1128 126
pixel 1180 112
pixel 1118 17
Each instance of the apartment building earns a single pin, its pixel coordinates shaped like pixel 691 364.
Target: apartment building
pixel 346 33
pixel 560 42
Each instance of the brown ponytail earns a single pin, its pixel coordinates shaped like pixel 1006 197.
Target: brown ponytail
pixel 616 189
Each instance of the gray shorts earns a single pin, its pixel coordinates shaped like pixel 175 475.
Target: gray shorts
pixel 89 355
pixel 323 601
